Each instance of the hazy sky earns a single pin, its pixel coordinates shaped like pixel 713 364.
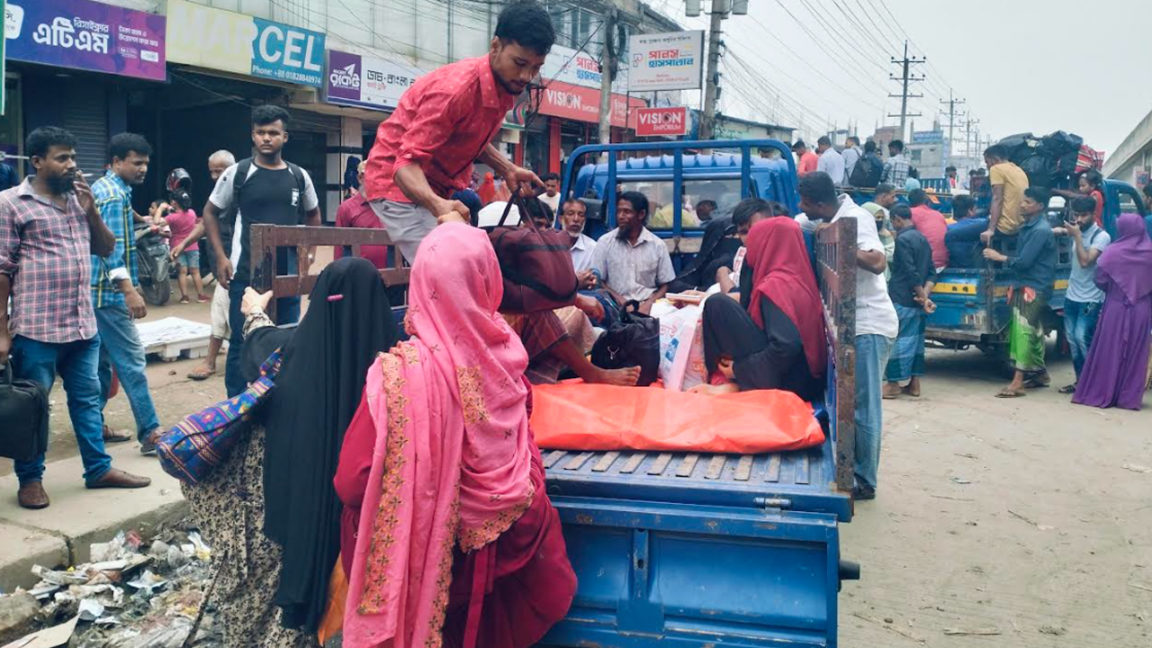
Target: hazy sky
pixel 1022 65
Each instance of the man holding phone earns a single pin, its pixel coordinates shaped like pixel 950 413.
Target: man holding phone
pixel 49 227
pixel 1084 298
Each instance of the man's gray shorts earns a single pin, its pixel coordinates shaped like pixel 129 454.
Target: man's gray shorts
pixel 407 224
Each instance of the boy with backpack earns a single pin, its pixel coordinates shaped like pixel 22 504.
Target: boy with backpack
pixel 265 189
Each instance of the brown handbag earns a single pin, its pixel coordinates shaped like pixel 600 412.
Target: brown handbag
pixel 536 265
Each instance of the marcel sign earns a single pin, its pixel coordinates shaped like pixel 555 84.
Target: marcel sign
pixel 225 40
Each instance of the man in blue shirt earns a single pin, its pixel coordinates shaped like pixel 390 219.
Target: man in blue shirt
pixel 114 295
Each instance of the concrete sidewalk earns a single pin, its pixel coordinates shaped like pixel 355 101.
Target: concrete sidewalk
pixel 60 535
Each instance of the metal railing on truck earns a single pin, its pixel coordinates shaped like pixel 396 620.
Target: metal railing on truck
pixel 266 240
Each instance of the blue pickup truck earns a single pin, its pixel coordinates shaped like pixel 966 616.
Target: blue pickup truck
pixel 698 550
pixel 972 303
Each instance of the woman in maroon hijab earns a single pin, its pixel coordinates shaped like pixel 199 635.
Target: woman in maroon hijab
pixel 1116 369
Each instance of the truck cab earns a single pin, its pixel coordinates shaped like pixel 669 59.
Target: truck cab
pixel 703 550
pixel 721 177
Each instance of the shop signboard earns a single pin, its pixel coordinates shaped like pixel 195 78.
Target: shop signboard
pixel 567 101
pixel 85 35
pixel 367 81
pixel 661 121
pixel 225 40
pixel 669 61
pixel 574 67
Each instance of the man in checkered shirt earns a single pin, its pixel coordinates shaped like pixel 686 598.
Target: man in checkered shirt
pixel 49 225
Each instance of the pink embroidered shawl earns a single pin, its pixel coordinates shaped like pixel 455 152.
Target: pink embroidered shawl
pixel 453 449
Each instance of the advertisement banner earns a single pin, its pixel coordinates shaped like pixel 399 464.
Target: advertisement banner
pixel 225 40
pixel 661 121
pixel 671 61
pixel 85 35
pixel 367 81
pixel 568 101
pixel 567 65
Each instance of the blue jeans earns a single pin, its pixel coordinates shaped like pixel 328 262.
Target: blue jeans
pixel 871 358
pixel 287 312
pixel 76 363
pixel 120 347
pixel 1079 327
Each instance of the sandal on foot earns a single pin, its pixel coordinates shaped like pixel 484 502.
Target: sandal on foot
pixel 201 373
pixel 113 436
pixel 185 300
pixel 1068 389
pixel 1010 393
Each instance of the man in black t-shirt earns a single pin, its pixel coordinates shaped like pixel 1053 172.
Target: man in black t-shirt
pixel 272 191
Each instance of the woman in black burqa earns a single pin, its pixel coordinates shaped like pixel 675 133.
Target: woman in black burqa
pixel 270 512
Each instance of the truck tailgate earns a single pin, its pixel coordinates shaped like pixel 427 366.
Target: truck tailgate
pixel 802 480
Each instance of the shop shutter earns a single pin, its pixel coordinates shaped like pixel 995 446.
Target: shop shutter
pixel 85 115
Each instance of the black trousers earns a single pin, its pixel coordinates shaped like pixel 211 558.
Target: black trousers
pixel 729 331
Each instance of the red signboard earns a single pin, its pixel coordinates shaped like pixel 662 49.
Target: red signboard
pixel 567 101
pixel 661 121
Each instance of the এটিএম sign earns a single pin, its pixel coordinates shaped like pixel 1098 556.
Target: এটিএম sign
pixel 86 35
pixel 233 42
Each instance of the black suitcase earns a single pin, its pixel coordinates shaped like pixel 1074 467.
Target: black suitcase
pixel 23 417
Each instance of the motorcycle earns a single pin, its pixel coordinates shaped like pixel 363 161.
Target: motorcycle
pixel 153 265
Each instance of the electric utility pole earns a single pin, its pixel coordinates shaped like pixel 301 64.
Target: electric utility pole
pixel 968 124
pixel 608 61
pixel 905 78
pixel 718 12
pixel 952 103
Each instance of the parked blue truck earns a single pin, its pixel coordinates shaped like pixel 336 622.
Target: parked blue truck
pixel 699 550
pixel 972 303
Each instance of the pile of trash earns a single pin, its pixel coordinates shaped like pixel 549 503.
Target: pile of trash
pixel 133 594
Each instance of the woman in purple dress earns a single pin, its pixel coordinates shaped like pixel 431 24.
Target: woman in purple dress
pixel 1115 371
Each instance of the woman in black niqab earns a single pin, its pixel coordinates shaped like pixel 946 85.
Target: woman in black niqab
pixel 349 320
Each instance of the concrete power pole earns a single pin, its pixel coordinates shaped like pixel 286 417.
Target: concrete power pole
pixel 968 124
pixel 607 73
pixel 905 78
pixel 711 91
pixel 952 103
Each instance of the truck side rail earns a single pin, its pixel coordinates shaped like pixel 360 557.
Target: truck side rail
pixel 836 276
pixel 267 239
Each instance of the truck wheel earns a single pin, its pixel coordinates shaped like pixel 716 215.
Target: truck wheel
pixel 157 293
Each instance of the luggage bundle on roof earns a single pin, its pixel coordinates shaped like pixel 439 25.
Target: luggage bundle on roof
pixel 1049 160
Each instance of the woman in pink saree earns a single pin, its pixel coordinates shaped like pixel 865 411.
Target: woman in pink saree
pixel 448 537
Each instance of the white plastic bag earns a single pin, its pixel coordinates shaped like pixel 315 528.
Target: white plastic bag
pixel 682 349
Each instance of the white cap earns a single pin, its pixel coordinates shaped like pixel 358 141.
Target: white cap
pixel 490 215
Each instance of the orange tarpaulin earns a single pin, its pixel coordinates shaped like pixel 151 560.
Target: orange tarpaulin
pixel 579 416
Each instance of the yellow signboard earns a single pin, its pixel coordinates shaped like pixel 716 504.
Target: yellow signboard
pixel 210 38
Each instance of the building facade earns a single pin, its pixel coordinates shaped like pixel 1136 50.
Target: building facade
pixel 186 73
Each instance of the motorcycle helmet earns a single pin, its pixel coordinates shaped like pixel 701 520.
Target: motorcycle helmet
pixel 179 187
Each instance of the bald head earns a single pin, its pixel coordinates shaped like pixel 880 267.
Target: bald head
pixel 218 162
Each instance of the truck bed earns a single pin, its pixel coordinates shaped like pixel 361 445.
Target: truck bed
pixel 800 480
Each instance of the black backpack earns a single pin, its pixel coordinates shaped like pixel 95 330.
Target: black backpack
pixel 867 171
pixel 242 169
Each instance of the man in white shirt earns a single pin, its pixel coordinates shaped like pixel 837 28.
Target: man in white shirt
pixel 851 155
pixel 830 162
pixel 876 323
pixel 551 195
pixel 630 261
pixel 572 218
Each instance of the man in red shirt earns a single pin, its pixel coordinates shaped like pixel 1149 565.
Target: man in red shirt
pixel 931 224
pixel 355 212
pixel 806 160
pixel 424 151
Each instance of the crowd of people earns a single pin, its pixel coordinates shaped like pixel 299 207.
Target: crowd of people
pixel 387 485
